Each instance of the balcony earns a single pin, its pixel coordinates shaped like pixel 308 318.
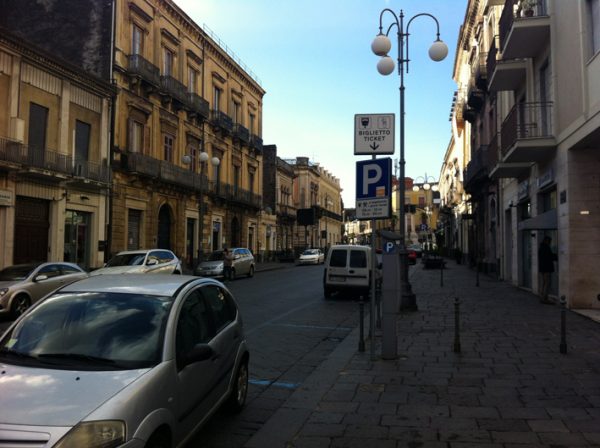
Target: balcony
pixel 518 26
pixel 241 133
pixel 198 106
pixel 527 133
pixel 164 171
pixel 172 88
pixel 144 69
pixel 87 170
pixel 257 143
pixel 479 71
pixel 286 211
pixel 475 97
pixel 498 169
pixel 231 193
pixel 46 163
pixel 222 121
pixel 469 114
pixel 504 74
pixel 477 169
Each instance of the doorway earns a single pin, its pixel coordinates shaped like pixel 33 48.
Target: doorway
pixel 77 238
pixel 31 230
pixel 164 227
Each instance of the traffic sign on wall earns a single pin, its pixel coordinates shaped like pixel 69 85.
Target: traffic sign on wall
pixel 373 134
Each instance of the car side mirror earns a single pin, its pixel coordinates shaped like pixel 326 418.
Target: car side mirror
pixel 40 277
pixel 200 352
pixel 152 262
pixel 237 257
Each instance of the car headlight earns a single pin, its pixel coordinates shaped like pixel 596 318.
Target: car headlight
pixel 100 434
pixel 3 291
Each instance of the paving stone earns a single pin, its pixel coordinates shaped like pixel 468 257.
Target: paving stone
pixel 310 442
pixel 514 437
pixel 346 442
pixel 474 412
pixel 322 430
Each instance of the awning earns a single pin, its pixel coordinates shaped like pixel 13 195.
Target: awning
pixel 545 221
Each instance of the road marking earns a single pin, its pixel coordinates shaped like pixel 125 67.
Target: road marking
pixel 317 327
pixel 274 384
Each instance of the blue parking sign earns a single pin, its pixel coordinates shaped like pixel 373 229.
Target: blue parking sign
pixel 373 188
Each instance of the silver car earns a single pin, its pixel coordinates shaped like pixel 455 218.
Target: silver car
pixel 243 264
pixel 312 256
pixel 131 361
pixel 24 284
pixel 143 261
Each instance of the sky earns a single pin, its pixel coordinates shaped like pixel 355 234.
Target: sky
pixel 314 60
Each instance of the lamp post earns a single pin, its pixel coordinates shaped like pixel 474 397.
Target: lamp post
pixel 381 45
pixel 204 158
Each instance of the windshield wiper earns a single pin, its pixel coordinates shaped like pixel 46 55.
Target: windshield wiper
pixel 11 352
pixel 78 357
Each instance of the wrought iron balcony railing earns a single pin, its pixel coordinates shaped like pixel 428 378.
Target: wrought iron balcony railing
pixel 221 120
pixel 477 167
pixel 526 121
pixel 256 142
pixel 199 105
pixel 232 193
pixel 91 170
pixel 144 68
pixel 175 89
pixel 242 133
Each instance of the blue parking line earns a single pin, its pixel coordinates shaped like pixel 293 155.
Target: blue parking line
pixel 274 384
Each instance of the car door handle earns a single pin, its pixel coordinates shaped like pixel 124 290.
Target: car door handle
pixel 351 271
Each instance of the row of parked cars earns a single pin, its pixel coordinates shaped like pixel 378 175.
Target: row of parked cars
pixel 105 360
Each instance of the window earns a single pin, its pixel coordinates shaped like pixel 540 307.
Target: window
pixel 216 98
pixel 236 112
pixel 251 181
pixel 252 120
pixel 193 152
pixel 194 326
pixel 358 259
pixel 52 270
pixel 82 147
pixel 137 40
pixel 222 306
pixel 168 145
pixel 168 58
pixel 217 174
pixel 594 8
pixel 236 178
pixel 192 80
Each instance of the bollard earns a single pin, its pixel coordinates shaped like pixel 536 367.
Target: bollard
pixel 563 325
pixel 456 326
pixel 378 323
pixel 442 273
pixel 361 340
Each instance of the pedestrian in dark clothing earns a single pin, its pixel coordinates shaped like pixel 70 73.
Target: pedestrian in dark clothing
pixel 546 259
pixel 227 264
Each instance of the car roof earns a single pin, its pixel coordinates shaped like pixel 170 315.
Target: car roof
pixel 156 285
pixel 139 251
pixel 350 246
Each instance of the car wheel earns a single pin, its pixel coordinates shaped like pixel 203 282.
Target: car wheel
pixel 176 273
pixel 19 305
pixel 251 272
pixel 237 399
pixel 158 440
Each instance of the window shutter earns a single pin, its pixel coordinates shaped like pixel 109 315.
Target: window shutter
pixel 130 137
pixel 147 144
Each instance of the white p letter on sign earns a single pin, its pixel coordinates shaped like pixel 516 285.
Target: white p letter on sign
pixel 368 179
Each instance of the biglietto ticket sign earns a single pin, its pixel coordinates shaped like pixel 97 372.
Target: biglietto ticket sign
pixel 373 134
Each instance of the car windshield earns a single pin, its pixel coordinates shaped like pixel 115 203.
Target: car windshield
pixel 18 272
pixel 136 259
pixel 216 256
pixel 90 331
pixel 310 252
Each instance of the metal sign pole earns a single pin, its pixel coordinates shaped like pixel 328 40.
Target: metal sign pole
pixel 373 281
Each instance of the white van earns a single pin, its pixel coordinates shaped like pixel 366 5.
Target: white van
pixel 347 268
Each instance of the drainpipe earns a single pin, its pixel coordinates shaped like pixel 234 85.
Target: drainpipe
pixel 108 248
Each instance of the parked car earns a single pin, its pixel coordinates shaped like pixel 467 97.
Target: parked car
pixel 122 360
pixel 243 264
pixel 23 284
pixel 311 256
pixel 145 261
pixel 417 248
pixel 348 268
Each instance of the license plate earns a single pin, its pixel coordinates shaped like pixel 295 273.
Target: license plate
pixel 335 278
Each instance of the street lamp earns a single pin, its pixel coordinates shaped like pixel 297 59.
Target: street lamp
pixel 424 184
pixel 381 45
pixel 203 157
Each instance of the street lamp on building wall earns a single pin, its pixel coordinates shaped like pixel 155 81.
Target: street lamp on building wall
pixel 381 46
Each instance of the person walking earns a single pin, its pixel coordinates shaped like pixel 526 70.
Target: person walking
pixel 227 264
pixel 546 259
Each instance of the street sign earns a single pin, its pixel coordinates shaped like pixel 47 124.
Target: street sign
pixel 373 188
pixel 373 134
